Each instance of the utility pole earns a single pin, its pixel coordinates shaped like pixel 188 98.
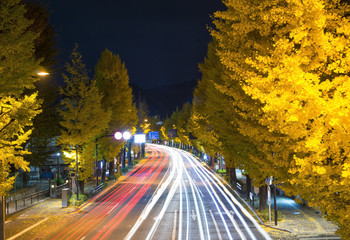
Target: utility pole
pixel 77 170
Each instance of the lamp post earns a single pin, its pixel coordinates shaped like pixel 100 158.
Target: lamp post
pixel 126 137
pixel 117 136
pixel 58 167
pixel 77 172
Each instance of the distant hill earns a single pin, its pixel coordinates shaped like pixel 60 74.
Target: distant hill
pixel 163 100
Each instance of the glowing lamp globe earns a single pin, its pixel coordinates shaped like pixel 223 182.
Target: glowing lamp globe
pixel 126 135
pixel 118 135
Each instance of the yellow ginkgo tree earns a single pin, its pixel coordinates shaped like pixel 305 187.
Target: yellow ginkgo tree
pixel 292 57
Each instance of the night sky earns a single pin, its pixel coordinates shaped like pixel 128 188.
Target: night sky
pixel 160 41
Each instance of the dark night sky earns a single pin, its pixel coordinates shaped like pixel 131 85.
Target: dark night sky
pixel 160 41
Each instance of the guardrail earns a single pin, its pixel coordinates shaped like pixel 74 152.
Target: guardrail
pixel 18 204
pixel 96 189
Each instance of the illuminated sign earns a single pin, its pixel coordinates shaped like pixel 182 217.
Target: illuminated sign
pixel 139 138
pixel 153 135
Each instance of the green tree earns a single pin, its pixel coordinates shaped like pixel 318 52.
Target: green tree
pixel 113 82
pixel 38 13
pixel 46 124
pixel 17 67
pixel 83 117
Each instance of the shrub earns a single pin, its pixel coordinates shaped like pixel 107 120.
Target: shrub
pixel 82 199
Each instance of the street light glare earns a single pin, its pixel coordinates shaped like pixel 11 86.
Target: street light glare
pixel 43 74
pixel 118 135
pixel 126 135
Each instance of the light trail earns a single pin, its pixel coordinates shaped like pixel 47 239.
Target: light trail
pixel 196 192
pixel 169 197
pixel 200 192
pixel 116 196
pixel 158 193
pixel 188 213
pixel 217 200
pixel 226 193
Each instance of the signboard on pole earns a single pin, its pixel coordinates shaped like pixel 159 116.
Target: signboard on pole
pixel 139 138
pixel 153 135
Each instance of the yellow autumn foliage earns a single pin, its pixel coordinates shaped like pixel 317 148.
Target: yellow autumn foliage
pixel 292 62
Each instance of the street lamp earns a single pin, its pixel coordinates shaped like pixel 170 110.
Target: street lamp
pixel 58 167
pixel 41 72
pixel 117 136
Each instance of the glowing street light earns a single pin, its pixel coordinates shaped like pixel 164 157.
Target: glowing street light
pixel 42 74
pixel 41 71
pixel 126 135
pixel 118 135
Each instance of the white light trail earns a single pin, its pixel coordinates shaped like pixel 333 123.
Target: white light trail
pixel 188 212
pixel 153 200
pixel 233 199
pixel 217 200
pixel 170 195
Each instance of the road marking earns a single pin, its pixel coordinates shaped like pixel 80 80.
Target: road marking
pixel 8 221
pixel 193 215
pixel 27 229
pixel 216 225
pixel 200 192
pixel 113 208
pixel 174 226
pixel 82 238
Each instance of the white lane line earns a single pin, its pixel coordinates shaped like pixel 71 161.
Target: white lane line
pixel 174 226
pixel 8 221
pixel 113 208
pixel 27 229
pixel 216 225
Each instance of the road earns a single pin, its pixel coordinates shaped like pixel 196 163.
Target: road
pixel 171 195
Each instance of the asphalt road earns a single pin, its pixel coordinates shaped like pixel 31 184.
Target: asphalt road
pixel 171 195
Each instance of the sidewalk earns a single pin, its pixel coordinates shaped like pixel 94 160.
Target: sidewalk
pixel 299 221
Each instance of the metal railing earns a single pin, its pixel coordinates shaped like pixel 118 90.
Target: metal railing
pixel 18 204
pixel 96 189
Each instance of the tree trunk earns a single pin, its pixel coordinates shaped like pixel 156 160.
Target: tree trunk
pixel 228 173
pixel 118 163
pixel 81 187
pixel 111 169
pixel 233 176
pixel 249 182
pixel 262 197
